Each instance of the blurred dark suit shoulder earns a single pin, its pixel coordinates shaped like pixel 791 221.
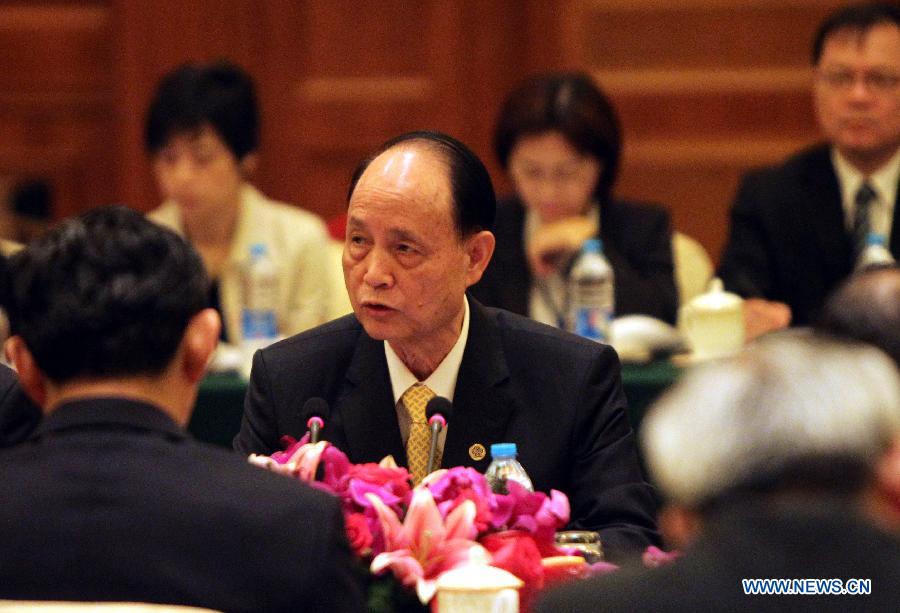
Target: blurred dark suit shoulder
pixel 113 501
pixel 756 541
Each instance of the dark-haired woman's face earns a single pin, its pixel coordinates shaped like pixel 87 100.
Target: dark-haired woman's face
pixel 551 177
pixel 199 172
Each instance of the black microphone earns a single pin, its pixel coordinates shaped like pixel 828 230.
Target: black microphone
pixel 438 411
pixel 315 410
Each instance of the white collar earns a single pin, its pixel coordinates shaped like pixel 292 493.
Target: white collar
pixel 443 380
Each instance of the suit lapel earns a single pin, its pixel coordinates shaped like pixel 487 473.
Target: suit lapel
pixel 366 406
pixel 482 407
pixel 826 213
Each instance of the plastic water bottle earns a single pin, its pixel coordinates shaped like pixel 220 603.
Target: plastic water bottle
pixel 259 320
pixel 591 293
pixel 504 467
pixel 876 254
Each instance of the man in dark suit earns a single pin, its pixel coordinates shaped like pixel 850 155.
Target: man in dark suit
pixel 418 235
pixel 781 463
pixel 110 499
pixel 798 229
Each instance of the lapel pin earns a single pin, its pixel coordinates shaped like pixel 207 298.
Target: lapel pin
pixel 477 452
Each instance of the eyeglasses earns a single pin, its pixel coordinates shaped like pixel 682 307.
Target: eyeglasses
pixel 877 81
pixel 566 174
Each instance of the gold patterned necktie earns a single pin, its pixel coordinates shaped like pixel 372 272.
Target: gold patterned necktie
pixel 417 445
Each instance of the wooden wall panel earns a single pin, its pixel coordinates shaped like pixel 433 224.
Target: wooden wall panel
pixel 55 99
pixel 152 38
pixel 337 85
pixel 706 89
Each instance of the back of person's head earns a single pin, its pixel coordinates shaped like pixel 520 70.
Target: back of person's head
pixel 568 103
pixel 474 201
pixel 219 95
pixel 856 17
pixel 867 308
pixel 793 412
pixel 105 294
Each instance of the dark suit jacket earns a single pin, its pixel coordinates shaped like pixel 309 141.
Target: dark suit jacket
pixel 111 500
pixel 637 241
pixel 760 541
pixel 18 415
pixel 558 396
pixel 788 239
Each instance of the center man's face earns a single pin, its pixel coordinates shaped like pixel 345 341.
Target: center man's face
pixel 857 91
pixel 405 266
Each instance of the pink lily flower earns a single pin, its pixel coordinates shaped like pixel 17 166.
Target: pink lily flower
pixel 423 546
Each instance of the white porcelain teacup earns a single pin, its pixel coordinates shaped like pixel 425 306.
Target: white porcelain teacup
pixel 478 588
pixel 713 323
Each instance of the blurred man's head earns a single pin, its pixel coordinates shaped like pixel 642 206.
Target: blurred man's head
pixel 418 235
pixel 107 296
pixel 867 308
pixel 794 414
pixel 856 57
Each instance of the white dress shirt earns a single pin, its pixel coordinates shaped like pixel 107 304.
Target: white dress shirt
pixel 442 381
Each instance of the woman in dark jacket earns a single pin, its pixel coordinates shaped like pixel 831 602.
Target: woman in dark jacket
pixel 558 138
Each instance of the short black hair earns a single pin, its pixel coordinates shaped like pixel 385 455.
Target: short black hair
pixel 104 294
pixel 572 104
pixel 219 94
pixel 475 204
pixel 858 17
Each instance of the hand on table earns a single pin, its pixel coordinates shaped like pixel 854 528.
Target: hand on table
pixel 551 246
pixel 762 316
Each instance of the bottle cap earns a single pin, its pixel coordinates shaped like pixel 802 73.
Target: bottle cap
pixel 592 245
pixel 503 450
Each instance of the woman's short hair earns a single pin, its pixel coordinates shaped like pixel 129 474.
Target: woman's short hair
pixel 219 94
pixel 568 103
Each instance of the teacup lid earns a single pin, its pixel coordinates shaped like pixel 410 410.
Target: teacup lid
pixel 478 577
pixel 716 298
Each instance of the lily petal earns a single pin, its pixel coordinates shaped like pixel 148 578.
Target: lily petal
pixel 423 522
pixel 461 521
pixel 391 528
pixel 402 563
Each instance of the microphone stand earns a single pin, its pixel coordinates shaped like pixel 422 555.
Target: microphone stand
pixel 437 423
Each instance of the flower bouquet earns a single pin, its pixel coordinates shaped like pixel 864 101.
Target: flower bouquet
pixel 412 535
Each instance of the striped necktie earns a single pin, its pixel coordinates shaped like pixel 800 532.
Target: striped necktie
pixel 861 225
pixel 419 442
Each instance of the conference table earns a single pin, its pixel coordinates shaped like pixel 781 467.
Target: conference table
pixel 220 401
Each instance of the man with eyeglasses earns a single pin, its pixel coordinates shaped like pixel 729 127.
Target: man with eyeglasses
pixel 798 229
